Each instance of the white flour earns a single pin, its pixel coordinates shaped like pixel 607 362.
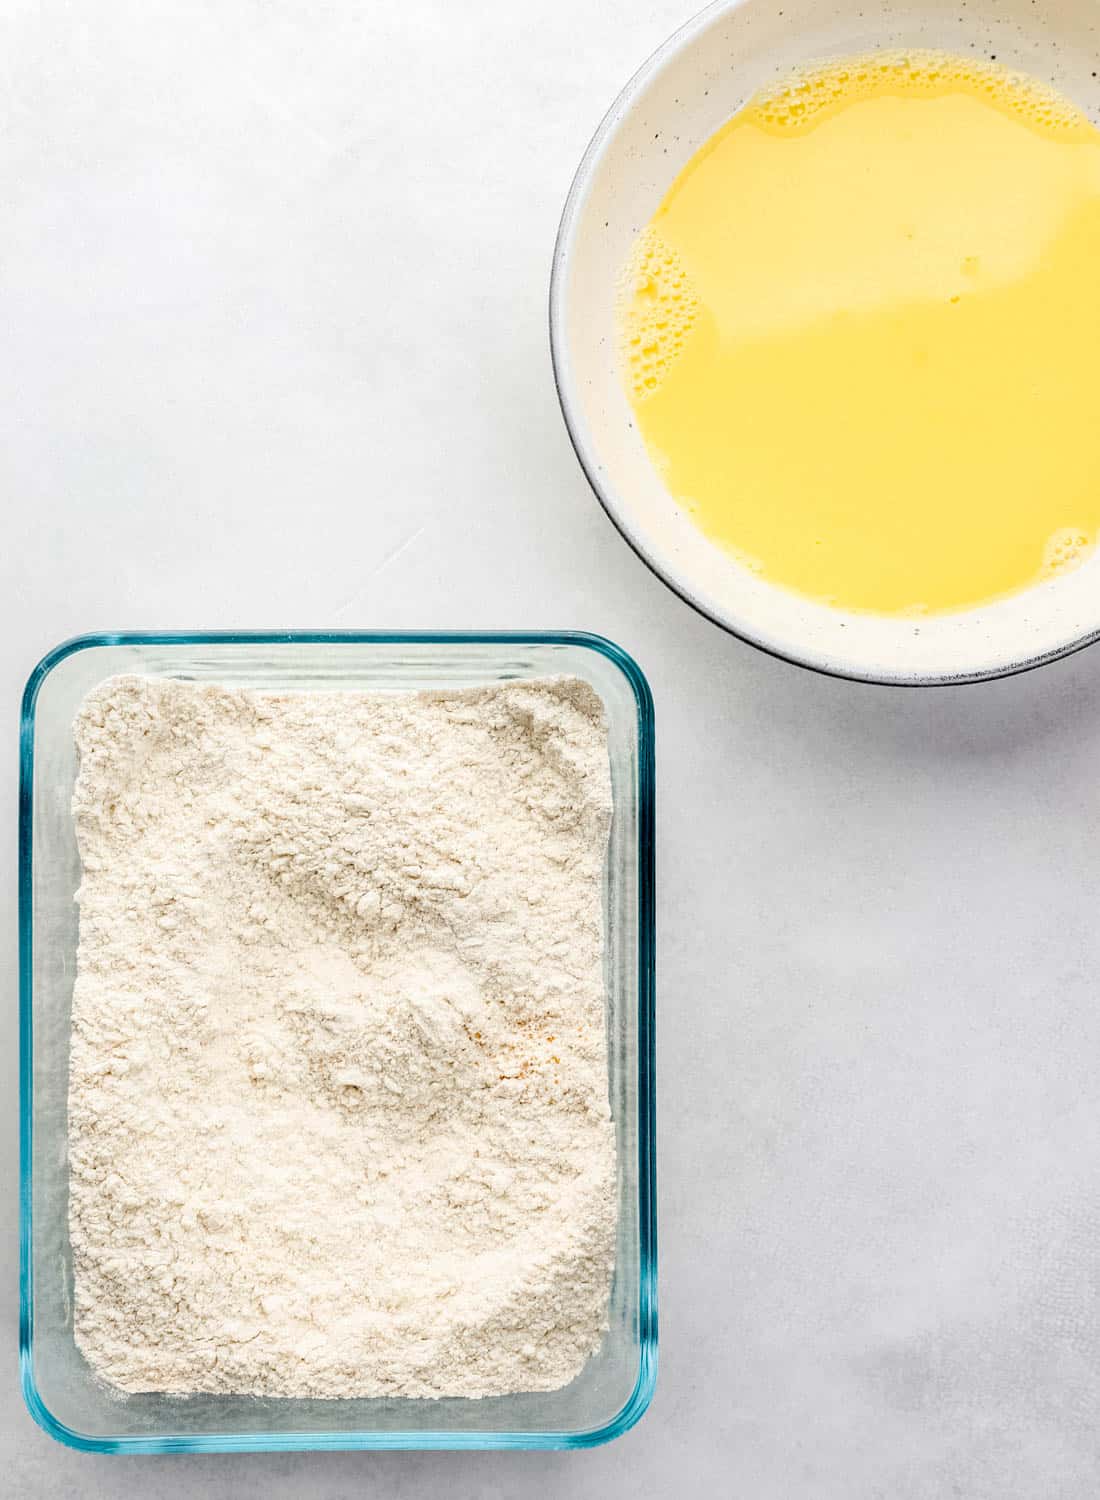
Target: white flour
pixel 338 1105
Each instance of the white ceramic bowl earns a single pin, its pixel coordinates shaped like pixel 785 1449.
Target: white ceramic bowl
pixel 686 90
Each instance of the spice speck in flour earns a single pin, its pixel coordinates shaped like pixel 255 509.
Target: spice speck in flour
pixel 338 1107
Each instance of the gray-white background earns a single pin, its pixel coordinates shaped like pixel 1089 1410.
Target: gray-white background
pixel 273 353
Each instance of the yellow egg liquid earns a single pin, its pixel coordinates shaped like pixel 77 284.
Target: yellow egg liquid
pixel 861 334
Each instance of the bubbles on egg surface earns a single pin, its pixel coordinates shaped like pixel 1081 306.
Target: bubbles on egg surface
pixel 658 307
pixel 1065 550
pixel 806 97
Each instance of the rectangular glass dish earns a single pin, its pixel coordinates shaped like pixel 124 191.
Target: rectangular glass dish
pixel 62 1392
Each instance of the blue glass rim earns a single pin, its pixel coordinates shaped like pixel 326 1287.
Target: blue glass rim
pixel 639 1400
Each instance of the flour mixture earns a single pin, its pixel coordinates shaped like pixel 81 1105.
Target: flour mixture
pixel 338 1105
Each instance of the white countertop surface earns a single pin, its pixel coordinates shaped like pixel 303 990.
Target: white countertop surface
pixel 273 300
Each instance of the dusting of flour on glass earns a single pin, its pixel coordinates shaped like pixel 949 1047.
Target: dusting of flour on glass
pixel 338 1108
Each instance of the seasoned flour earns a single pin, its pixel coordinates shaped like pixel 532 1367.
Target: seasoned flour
pixel 338 1104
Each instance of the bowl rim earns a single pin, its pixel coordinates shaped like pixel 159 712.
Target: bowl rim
pixel 616 510
pixel 636 1404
